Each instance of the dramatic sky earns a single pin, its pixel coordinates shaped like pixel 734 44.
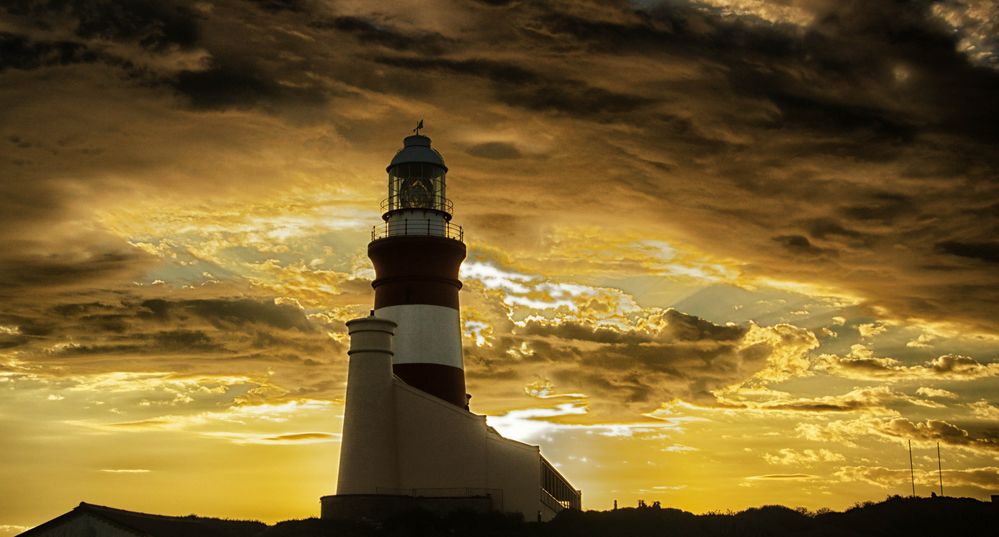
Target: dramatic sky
pixel 721 253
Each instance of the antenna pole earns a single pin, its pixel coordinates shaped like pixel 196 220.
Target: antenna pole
pixel 939 469
pixel 912 472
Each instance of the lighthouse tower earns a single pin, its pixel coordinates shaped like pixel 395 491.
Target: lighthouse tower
pixel 409 440
pixel 417 253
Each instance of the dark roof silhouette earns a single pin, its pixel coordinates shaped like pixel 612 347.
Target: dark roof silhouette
pixel 147 525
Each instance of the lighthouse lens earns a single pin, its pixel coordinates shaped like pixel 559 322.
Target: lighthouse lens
pixel 416 186
pixel 417 193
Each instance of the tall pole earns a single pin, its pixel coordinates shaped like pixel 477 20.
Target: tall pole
pixel 912 472
pixel 939 469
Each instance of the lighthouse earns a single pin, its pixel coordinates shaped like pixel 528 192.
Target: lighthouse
pixel 409 439
pixel 417 252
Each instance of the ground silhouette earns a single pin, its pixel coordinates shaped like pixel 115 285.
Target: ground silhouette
pixel 896 516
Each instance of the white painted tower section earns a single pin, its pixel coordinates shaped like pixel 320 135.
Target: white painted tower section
pixel 425 334
pixel 368 459
pixel 418 222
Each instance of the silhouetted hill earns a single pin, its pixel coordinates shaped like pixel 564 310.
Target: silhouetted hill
pixel 896 516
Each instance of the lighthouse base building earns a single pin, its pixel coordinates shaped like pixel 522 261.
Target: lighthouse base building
pixel 409 440
pixel 405 449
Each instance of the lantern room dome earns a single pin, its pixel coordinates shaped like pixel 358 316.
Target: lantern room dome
pixel 416 149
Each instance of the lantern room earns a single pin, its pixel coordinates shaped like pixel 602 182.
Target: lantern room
pixel 416 179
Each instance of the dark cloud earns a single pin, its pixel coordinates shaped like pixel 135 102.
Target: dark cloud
pixel 229 86
pixel 299 437
pixel 154 25
pixel 21 273
pixel 883 207
pixel 184 340
pixel 948 366
pixel 495 150
pixel 222 82
pixel 281 5
pixel 938 430
pixel 225 313
pixel 527 88
pixel 827 228
pixel 18 52
pixel 798 244
pixel 368 32
pixel 982 251
pixel 219 336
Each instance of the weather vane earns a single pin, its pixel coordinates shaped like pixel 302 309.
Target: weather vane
pixel 418 127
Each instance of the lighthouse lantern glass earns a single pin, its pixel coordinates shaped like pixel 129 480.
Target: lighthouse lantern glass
pixel 417 185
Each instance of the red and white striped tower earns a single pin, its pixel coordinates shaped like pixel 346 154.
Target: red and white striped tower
pixel 417 252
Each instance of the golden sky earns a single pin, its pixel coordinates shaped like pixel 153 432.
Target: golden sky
pixel 721 253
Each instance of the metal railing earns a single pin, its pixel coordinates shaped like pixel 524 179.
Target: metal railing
pixel 552 502
pixel 555 487
pixel 433 203
pixel 418 228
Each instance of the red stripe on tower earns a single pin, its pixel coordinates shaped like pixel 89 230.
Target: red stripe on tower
pixel 417 253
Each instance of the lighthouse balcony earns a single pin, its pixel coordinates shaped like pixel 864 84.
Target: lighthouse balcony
pixel 421 200
pixel 418 227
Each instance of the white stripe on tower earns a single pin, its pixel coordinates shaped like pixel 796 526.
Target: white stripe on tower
pixel 426 334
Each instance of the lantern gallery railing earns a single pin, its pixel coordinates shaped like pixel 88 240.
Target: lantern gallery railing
pixel 419 228
pixel 414 201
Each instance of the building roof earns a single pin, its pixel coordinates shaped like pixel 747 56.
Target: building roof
pixel 147 525
pixel 416 149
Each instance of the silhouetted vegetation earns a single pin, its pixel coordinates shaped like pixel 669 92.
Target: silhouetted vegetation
pixel 894 516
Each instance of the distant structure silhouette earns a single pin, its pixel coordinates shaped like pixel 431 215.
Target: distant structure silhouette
pixel 409 439
pixel 939 469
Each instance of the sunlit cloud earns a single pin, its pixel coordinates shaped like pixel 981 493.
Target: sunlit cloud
pixel 984 478
pixel 250 414
pixel 277 440
pixel 985 410
pixel 898 429
pixel 793 457
pixel 125 470
pixel 783 477
pixel 532 424
pixel 936 393
pixel 861 363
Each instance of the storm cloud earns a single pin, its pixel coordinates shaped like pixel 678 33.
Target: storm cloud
pixel 780 213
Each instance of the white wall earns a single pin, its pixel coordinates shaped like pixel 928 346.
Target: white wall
pixel 516 468
pixel 368 459
pixel 397 438
pixel 442 446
